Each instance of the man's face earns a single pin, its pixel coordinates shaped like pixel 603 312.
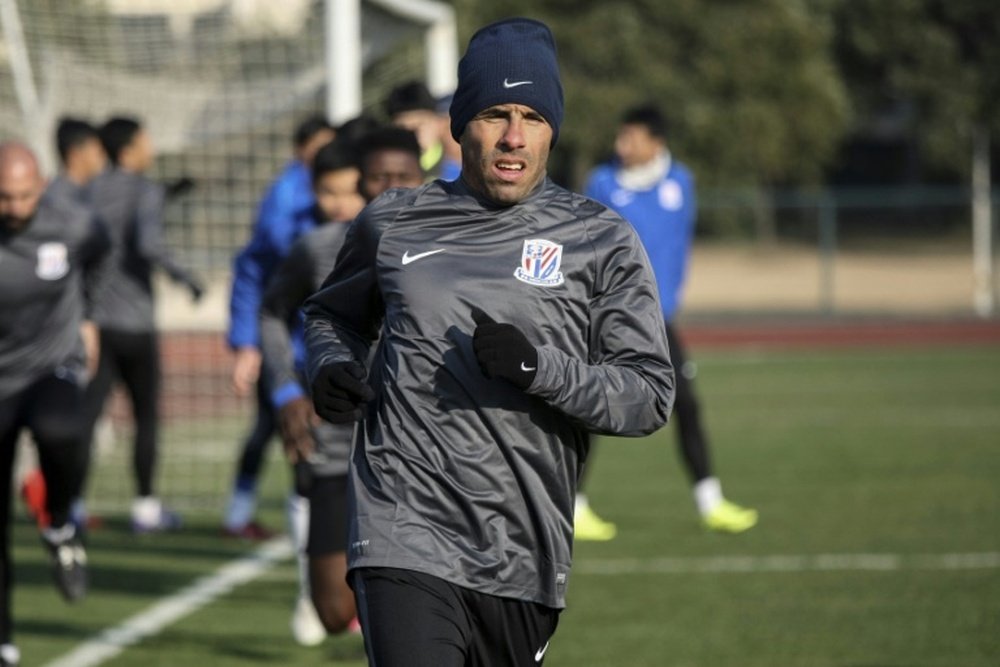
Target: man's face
pixel 504 152
pixel 92 156
pixel 635 146
pixel 387 169
pixel 427 125
pixel 307 151
pixel 138 155
pixel 21 188
pixel 337 195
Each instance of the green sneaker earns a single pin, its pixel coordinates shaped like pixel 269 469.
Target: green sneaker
pixel 729 517
pixel 589 527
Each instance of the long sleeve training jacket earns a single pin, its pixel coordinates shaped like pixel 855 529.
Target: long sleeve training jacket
pixel 454 474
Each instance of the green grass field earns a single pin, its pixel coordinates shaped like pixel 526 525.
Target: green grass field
pixel 891 452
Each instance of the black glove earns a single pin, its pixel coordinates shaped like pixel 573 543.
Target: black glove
pixel 196 288
pixel 178 187
pixel 503 351
pixel 339 392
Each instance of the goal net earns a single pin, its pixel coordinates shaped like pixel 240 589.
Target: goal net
pixel 220 86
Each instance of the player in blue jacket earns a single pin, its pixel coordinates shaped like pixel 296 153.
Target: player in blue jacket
pixel 656 194
pixel 285 213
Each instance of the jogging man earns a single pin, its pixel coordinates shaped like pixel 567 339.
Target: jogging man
pixel 44 244
pixel 388 158
pixel 512 316
pixel 655 193
pixel 131 206
pixel 284 214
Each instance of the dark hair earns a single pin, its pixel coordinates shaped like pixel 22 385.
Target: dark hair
pixel 309 128
pixel 351 132
pixel 333 156
pixel 387 138
pixel 649 117
pixel 410 96
pixel 116 134
pixel 72 133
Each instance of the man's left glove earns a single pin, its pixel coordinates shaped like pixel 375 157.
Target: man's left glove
pixel 503 351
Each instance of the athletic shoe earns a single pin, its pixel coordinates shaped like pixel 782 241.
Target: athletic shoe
pixel 69 560
pixel 589 527
pixel 33 494
pixel 10 656
pixel 252 531
pixel 306 627
pixel 729 517
pixel 168 521
pixel 354 627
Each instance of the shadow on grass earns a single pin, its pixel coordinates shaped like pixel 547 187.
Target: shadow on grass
pixel 257 648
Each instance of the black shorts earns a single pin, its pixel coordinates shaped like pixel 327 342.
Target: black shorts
pixel 327 515
pixel 411 619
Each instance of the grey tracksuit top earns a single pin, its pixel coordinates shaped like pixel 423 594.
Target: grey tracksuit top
pixel 131 206
pixel 297 277
pixel 42 305
pixel 456 475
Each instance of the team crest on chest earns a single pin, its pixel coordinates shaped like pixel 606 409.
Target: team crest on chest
pixel 540 263
pixel 53 261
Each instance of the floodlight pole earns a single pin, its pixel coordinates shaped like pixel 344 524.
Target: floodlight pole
pixel 342 35
pixel 984 299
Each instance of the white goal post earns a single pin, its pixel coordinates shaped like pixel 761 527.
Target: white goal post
pixel 345 49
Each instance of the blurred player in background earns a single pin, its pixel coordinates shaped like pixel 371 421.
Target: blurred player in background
pixel 655 193
pixel 412 107
pixel 45 243
pixel 285 213
pixel 473 430
pixel 389 158
pixel 81 158
pixel 131 206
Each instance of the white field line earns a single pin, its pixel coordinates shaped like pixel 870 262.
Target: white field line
pixel 169 610
pixel 789 564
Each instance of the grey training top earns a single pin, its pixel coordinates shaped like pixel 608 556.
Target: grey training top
pixel 41 293
pixel 61 186
pixel 299 275
pixel 456 475
pixel 131 206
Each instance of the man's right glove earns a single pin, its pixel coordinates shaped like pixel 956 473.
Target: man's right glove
pixel 339 392
pixel 503 351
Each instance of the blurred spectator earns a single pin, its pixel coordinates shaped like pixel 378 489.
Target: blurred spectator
pixel 655 193
pixel 131 207
pixel 81 157
pixel 388 158
pixel 412 107
pixel 284 214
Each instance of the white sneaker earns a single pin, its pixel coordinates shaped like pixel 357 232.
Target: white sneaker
pixel 9 656
pixel 306 627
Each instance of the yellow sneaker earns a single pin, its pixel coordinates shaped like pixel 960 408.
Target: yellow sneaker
pixel 729 517
pixel 589 527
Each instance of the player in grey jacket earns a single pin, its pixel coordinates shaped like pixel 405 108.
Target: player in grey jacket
pixel 515 317
pixel 45 243
pixel 131 206
pixel 388 158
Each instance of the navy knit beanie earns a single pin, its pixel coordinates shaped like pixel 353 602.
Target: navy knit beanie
pixel 509 62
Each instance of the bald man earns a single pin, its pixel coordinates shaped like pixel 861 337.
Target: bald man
pixel 45 243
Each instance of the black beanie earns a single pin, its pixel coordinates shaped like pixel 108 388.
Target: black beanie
pixel 509 62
